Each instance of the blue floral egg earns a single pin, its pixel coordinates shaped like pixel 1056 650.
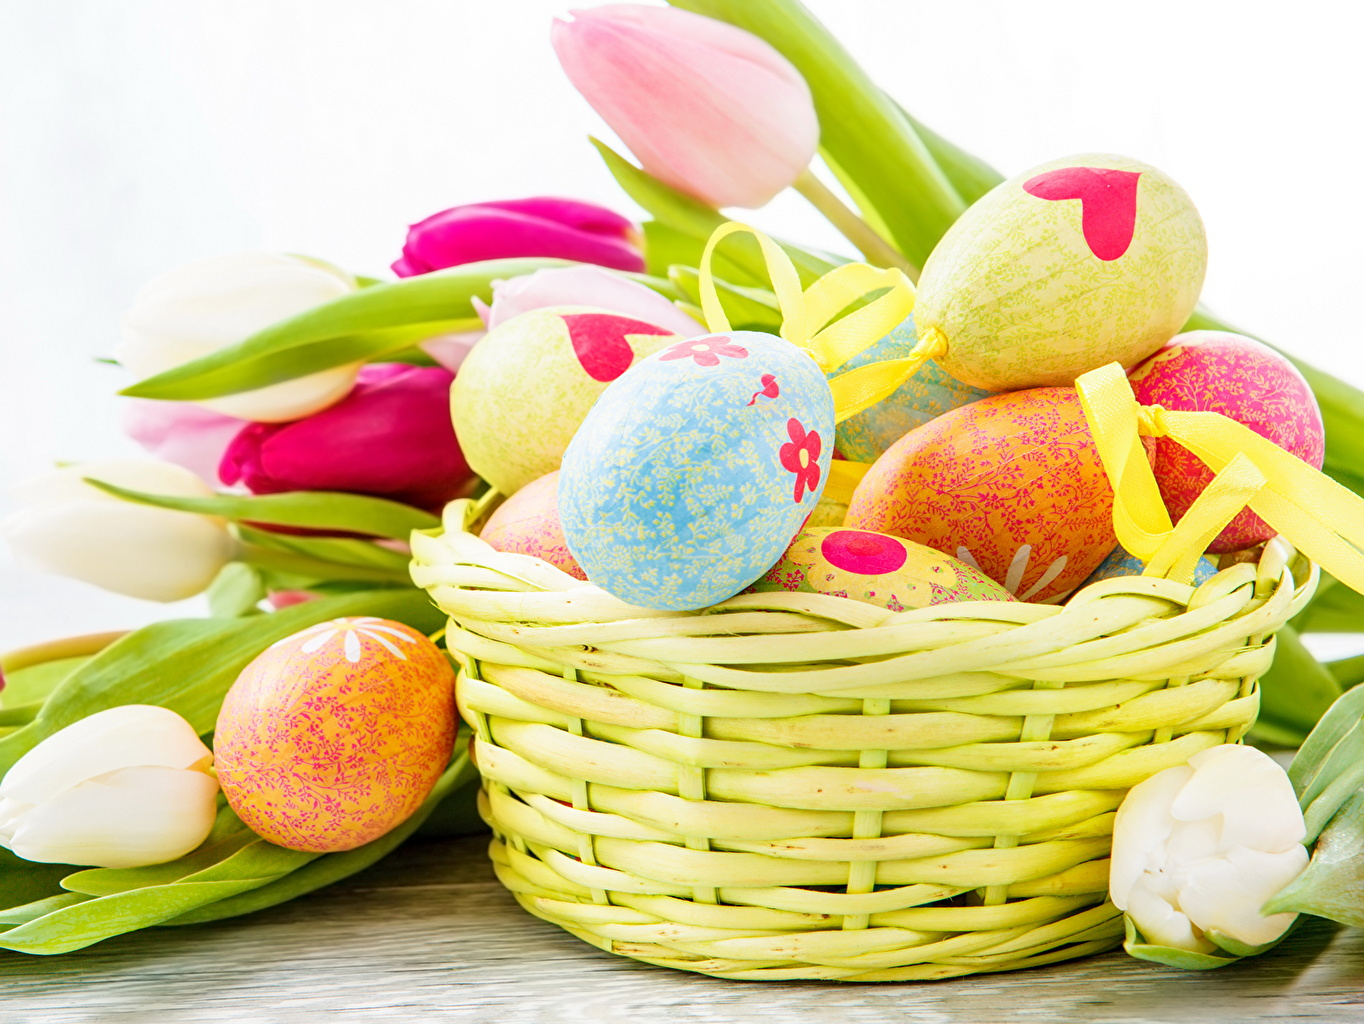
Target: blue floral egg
pixel 696 467
pixel 925 396
pixel 1120 563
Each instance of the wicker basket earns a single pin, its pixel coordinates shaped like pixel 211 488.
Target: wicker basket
pixel 797 786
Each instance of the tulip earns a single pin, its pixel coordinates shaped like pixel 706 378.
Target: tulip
pixel 197 309
pixel 1200 848
pixel 123 788
pixel 66 526
pixel 539 226
pixel 707 108
pixel 391 437
pixel 181 432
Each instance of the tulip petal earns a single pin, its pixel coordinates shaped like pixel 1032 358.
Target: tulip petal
pixel 129 735
pixel 707 108
pixel 182 433
pixel 1163 925
pixel 1226 893
pixel 125 819
pixel 1140 830
pixel 587 286
pixel 1249 792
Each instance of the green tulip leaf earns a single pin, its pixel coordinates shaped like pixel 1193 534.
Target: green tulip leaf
pixel 236 591
pixel 745 308
pixel 1332 884
pixel 1170 956
pixel 188 665
pixel 1296 690
pixel 1334 609
pixel 1348 672
pixel 738 258
pixel 1313 768
pixel 315 510
pixel 362 326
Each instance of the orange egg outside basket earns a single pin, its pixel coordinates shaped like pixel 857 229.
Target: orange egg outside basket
pixel 795 785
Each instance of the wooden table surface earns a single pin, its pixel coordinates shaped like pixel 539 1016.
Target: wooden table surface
pixel 429 936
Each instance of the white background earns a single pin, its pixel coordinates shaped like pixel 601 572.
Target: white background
pixel 139 135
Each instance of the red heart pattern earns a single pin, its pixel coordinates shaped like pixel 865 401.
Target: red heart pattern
pixel 1108 204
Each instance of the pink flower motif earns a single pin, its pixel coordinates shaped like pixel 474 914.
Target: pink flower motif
pixel 706 351
pixel 801 457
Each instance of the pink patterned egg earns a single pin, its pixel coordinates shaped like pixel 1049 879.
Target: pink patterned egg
pixel 528 523
pixel 1249 382
pixel 334 736
pixel 1011 484
pixel 876 569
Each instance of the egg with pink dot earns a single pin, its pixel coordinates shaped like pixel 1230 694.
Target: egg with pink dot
pixel 877 569
pixel 693 471
pixel 1218 371
pixel 528 523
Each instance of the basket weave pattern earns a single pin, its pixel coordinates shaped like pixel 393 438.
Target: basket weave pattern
pixel 798 786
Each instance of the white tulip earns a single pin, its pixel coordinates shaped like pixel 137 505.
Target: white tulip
pixel 1203 846
pixel 67 527
pixel 123 788
pixel 193 310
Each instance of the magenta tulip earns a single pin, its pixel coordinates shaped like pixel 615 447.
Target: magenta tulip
pixel 540 226
pixel 708 108
pixel 181 432
pixel 391 437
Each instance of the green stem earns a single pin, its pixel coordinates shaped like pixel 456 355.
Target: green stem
pixel 871 245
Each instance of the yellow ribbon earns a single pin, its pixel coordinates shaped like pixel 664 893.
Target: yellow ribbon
pixel 1324 520
pixel 811 320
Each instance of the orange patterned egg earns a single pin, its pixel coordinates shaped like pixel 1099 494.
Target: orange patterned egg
pixel 334 736
pixel 1011 484
pixel 528 523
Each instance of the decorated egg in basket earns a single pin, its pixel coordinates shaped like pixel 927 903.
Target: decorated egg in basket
pixel 876 569
pixel 1219 371
pixel 1062 269
pixel 1011 484
pixel 927 394
pixel 524 388
pixel 528 523
pixel 691 474
pixel 335 735
pixel 1121 563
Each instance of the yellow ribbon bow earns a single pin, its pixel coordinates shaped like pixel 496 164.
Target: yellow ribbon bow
pixel 1324 520
pixel 810 319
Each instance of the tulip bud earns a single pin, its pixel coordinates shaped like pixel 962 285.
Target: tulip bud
pixel 66 526
pixel 707 108
pixel 181 432
pixel 1201 847
pixel 123 788
pixel 196 309
pixel 539 226
pixel 587 286
pixel 391 437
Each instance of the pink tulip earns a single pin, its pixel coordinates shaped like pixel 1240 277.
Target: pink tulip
pixel 540 226
pixel 181 432
pixel 391 437
pixel 708 108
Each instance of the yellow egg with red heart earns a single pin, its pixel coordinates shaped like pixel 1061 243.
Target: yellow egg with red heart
pixel 1011 484
pixel 335 735
pixel 525 387
pixel 876 569
pixel 1067 267
pixel 528 523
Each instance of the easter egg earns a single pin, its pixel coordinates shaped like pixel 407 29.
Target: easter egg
pixel 1062 269
pixel 927 394
pixel 827 512
pixel 1011 484
pixel 1249 382
pixel 524 388
pixel 694 470
pixel 333 736
pixel 527 523
pixel 876 569
pixel 1120 563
